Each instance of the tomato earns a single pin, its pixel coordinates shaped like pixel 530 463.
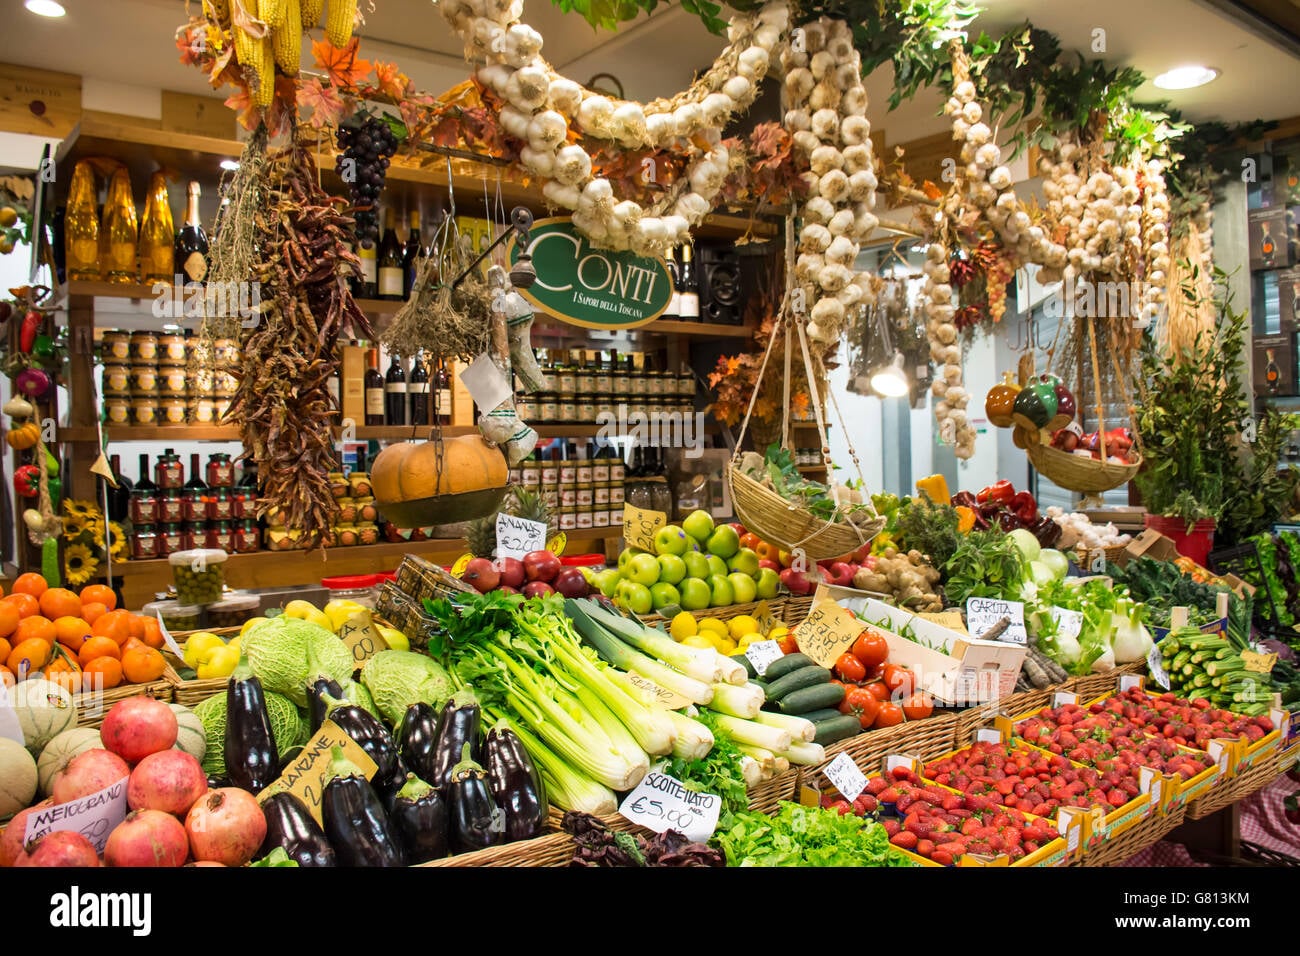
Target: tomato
pixel 890 715
pixel 750 540
pixel 918 706
pixel 899 678
pixel 850 669
pixel 878 690
pixel 788 644
pixel 861 703
pixel 870 648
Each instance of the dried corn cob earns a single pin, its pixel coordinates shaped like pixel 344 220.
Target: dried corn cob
pixel 338 24
pixel 217 11
pixel 310 13
pixel 271 12
pixel 246 45
pixel 265 69
pixel 287 39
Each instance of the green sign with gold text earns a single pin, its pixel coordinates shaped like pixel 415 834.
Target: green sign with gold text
pixel 593 288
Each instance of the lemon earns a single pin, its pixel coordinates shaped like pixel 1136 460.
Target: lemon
pixel 753 637
pixel 742 624
pixel 778 632
pixel 714 626
pixel 725 646
pixel 699 640
pixel 683 626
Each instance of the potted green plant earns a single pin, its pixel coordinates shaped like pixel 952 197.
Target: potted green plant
pixel 1210 468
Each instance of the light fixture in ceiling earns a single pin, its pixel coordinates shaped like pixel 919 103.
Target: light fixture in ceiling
pixel 230 165
pixel 45 8
pixel 1186 77
pixel 890 380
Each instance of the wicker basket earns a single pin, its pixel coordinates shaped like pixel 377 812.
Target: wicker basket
pixel 774 519
pixel 398 609
pixel 1077 473
pixel 194 691
pixel 92 706
pixel 423 579
pixel 1134 840
pixel 796 609
pixel 1084 557
pixel 1229 791
pixel 552 849
pixel 1094 685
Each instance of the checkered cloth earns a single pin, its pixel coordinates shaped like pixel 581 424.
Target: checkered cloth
pixel 1162 853
pixel 1263 819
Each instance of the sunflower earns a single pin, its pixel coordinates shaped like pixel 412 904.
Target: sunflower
pixel 116 541
pixel 96 529
pixel 79 564
pixel 73 526
pixel 79 509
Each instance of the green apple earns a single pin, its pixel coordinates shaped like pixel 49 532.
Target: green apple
pixel 663 594
pixel 671 568
pixel 721 593
pixel 724 542
pixel 743 587
pixel 607 581
pixel 745 561
pixel 643 569
pixel 768 582
pixel 717 566
pixel 697 565
pixel 634 597
pixel 671 540
pixel 627 555
pixel 699 525
pixel 695 594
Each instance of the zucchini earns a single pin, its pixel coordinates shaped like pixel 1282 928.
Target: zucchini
pixel 803 677
pixel 839 727
pixel 791 662
pixel 826 713
pixel 746 663
pixel 812 698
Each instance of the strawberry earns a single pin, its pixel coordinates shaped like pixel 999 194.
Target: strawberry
pixel 907 841
pixel 952 801
pixel 889 795
pixel 1006 785
pixel 1116 798
pixel 891 826
pixel 942 857
pixel 868 803
pixel 925 847
pixel 876 786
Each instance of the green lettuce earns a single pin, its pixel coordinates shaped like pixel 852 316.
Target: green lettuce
pixel 806 836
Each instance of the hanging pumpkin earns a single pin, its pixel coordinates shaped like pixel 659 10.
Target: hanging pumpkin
pixel 24 436
pixel 408 471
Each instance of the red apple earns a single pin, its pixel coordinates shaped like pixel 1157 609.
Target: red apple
pixel 840 575
pixel 538 589
pixel 512 572
pixel 766 563
pixel 541 566
pixel 740 528
pixel 507 589
pixel 572 583
pixel 797 583
pixel 482 574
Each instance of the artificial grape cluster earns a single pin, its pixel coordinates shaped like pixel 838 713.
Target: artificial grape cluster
pixel 362 164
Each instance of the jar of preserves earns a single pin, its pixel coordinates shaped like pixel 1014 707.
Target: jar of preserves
pixel 585 495
pixel 144 542
pixel 568 496
pixel 568 519
pixel 586 408
pixel 241 504
pixel 117 346
pixel 548 408
pixel 616 515
pixel 600 495
pixel 171 540
pixel 246 537
pixel 569 472
pixel 199 575
pixel 617 491
pixel 144 411
pixel 220 507
pixel 144 380
pixel 532 472
pixel 583 519
pixel 221 537
pixel 568 410
pixel 584 471
pixel 172 411
pixel 172 381
pixel 171 348
pixel 144 348
pixel 171 509
pixel 201 411
pixel 168 472
pixel 221 470
pixel 117 410
pixel 117 379
pixel 600 518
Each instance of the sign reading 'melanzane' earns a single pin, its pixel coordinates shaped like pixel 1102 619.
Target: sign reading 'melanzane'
pixel 594 288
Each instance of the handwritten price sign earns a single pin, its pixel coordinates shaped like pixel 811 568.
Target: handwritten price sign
pixel 361 638
pixel 762 654
pixel 518 536
pixel 827 632
pixel 306 777
pixel 661 803
pixel 847 777
pixel 94 817
pixel 639 526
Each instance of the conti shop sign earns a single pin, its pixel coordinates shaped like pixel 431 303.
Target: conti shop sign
pixel 593 288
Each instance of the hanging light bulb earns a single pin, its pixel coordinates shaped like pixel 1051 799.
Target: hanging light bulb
pixel 890 381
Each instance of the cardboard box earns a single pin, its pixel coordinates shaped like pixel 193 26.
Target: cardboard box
pixel 352 383
pixel 1270 247
pixel 1279 351
pixel 1153 544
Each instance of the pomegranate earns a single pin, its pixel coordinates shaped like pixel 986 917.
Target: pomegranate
pixel 169 781
pixel 226 826
pixel 147 838
pixel 88 773
pixel 481 573
pixel 538 589
pixel 60 848
pixel 137 727
pixel 512 572
pixel 11 839
pixel 572 583
pixel 541 566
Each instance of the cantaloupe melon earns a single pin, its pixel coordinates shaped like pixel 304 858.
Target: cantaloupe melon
pixel 17 777
pixel 190 735
pixel 44 711
pixel 62 749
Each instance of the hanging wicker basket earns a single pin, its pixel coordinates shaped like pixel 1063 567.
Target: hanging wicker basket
pixel 789 525
pixel 1076 473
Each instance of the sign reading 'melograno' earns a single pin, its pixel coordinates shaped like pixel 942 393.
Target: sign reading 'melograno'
pixel 593 288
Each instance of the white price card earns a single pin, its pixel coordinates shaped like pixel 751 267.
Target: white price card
pixel 94 817
pixel 982 614
pixel 486 384
pixel 169 640
pixel 518 536
pixel 1156 666
pixel 762 654
pixel 661 803
pixel 10 726
pixel 848 779
pixel 1069 623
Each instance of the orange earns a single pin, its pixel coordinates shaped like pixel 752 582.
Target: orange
pixel 133 644
pixel 9 618
pixel 36 627
pixel 30 583
pixel 114 624
pixel 141 665
pixel 7 676
pixel 26 604
pixel 5 648
pixel 72 632
pixel 92 612
pixel 97 647
pixel 64 671
pixel 137 624
pixel 60 602
pixel 103 673
pixel 152 633
pixel 28 656
pixel 99 594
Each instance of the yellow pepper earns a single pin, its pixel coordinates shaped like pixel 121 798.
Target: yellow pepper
pixel 936 486
pixel 965 519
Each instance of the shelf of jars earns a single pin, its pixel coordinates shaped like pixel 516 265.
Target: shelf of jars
pixel 227 433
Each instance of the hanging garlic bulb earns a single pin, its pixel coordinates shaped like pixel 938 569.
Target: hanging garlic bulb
pixel 814 238
pixel 547 130
pixel 572 165
pixel 528 88
pixel 596 114
pixel 855 130
pixel 826 124
pixel 825 158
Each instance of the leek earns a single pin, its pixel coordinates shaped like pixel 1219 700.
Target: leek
pixel 728 671
pixel 621 655
pixel 800 729
pixel 694 662
pixel 694 740
pixel 751 771
pixel 804 754
pixel 735 701
pixel 782 764
pixel 754 734
pixel 766 759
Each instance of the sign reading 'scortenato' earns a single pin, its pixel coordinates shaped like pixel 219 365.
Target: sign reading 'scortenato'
pixel 593 288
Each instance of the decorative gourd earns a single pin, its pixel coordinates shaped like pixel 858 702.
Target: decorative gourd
pixel 190 735
pixel 44 711
pixel 17 777
pixel 409 471
pixel 60 751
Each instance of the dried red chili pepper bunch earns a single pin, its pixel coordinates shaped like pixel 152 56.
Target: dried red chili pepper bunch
pixel 283 405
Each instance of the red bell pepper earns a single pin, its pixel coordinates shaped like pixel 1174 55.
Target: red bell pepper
pixel 27 481
pixel 1000 491
pixel 30 327
pixel 1025 508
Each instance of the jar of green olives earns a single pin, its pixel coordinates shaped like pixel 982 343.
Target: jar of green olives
pixel 199 574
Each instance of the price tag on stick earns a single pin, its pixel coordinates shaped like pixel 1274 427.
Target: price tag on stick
pixel 661 803
pixel 827 632
pixel 639 526
pixel 848 779
pixel 362 639
pixel 306 777
pixel 762 654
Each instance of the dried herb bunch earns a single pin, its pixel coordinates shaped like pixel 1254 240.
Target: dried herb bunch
pixel 445 322
pixel 283 405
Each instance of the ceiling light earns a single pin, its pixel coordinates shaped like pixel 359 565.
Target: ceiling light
pixel 1186 77
pixel 891 381
pixel 230 165
pixel 45 8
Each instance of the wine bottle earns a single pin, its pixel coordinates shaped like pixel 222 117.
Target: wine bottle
pixel 418 388
pixel 688 288
pixel 367 286
pixel 374 389
pixel 120 230
pixel 81 225
pixel 674 308
pixel 191 242
pixel 442 385
pixel 192 492
pixel 157 249
pixel 395 393
pixel 390 261
pixel 119 498
pixel 411 255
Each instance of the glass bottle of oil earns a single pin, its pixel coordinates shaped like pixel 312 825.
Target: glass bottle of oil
pixel 81 226
pixel 157 230
pixel 119 229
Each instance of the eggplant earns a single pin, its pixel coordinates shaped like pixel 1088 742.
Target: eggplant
pixel 355 822
pixel 476 820
pixel 317 706
pixel 457 729
pixel 252 760
pixel 290 755
pixel 368 733
pixel 289 824
pixel 516 784
pixel 417 737
pixel 419 816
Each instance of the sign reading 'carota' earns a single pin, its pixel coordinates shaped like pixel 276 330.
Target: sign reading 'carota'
pixel 593 288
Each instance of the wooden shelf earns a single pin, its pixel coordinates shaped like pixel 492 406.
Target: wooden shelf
pixel 127 433
pixel 812 469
